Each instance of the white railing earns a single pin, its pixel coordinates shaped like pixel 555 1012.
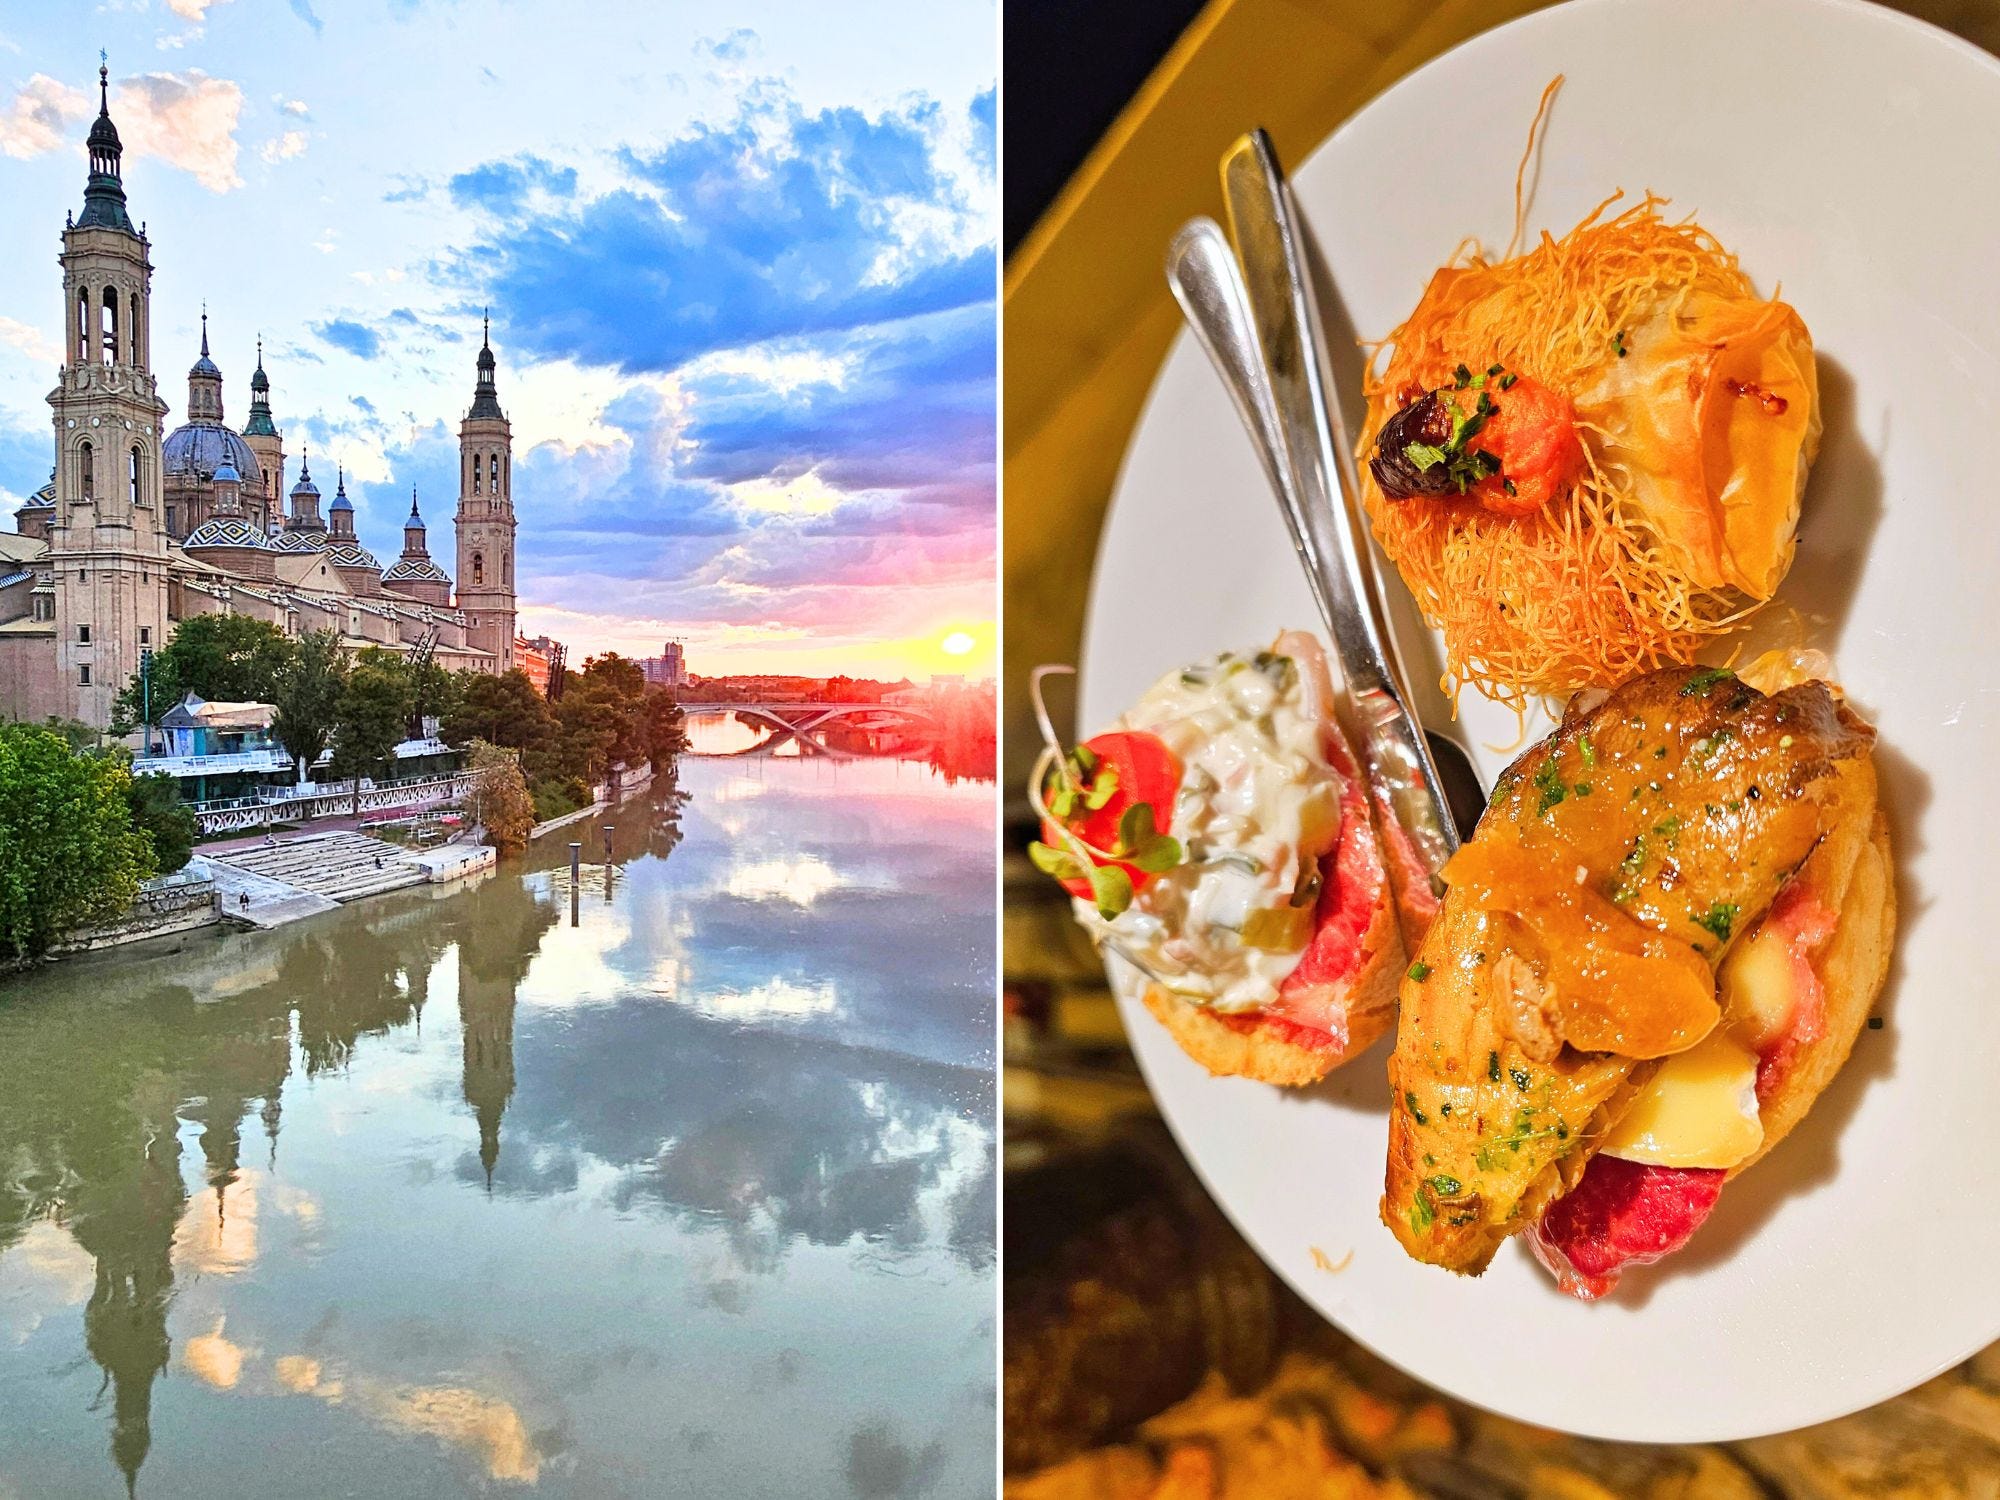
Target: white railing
pixel 242 815
pixel 273 759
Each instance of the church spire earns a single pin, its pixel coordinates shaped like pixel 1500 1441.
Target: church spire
pixel 204 381
pixel 104 193
pixel 260 423
pixel 485 398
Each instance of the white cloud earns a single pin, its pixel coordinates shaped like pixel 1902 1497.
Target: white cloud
pixel 283 148
pixel 187 120
pixel 191 10
pixel 325 243
pixel 294 106
pixel 40 117
pixel 803 495
pixel 30 340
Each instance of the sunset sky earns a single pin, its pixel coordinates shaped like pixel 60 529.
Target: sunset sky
pixel 742 285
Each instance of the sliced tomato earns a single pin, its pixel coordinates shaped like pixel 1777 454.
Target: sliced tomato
pixel 1532 432
pixel 1148 772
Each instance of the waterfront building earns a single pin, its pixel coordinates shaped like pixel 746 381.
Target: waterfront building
pixel 140 528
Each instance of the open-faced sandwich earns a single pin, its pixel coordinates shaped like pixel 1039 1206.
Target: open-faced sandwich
pixel 1651 958
pixel 1218 838
pixel 1586 460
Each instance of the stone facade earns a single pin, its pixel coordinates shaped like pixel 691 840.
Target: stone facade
pixel 140 528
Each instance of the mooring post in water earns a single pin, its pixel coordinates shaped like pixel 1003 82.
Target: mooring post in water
pixel 607 861
pixel 575 879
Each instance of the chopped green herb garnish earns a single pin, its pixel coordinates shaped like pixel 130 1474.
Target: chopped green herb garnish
pixel 1583 789
pixel 1720 919
pixel 1522 1078
pixel 1461 377
pixel 1619 344
pixel 1446 1187
pixel 1422 1215
pixel 1507 381
pixel 1420 971
pixel 1587 750
pixel 1508 486
pixel 1416 1114
pixel 1548 778
pixel 1493 1066
pixel 1659 752
pixel 1704 681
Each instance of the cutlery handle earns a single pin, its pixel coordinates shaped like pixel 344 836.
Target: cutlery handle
pixel 1323 500
pixel 1206 281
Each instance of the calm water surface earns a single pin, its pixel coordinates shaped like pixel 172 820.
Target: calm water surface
pixel 439 1194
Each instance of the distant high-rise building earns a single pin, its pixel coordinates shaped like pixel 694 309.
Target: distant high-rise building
pixel 668 669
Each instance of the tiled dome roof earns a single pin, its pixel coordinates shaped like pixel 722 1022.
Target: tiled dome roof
pixel 353 555
pixel 225 531
pixel 43 498
pixel 413 570
pixel 299 541
pixel 199 448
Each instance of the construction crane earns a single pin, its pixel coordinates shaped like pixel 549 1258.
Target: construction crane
pixel 422 652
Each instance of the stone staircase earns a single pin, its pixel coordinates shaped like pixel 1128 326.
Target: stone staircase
pixel 333 866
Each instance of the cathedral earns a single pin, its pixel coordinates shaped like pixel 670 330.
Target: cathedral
pixel 140 527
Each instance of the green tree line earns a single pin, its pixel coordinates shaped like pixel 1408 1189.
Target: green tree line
pixel 79 833
pixel 363 704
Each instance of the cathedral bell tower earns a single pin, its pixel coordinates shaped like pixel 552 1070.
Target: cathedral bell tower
pixel 262 434
pixel 485 519
pixel 107 551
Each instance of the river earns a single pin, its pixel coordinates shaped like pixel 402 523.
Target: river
pixel 440 1194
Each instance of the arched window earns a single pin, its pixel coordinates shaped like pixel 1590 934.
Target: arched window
pixel 493 468
pixel 478 561
pixel 82 324
pixel 110 326
pixel 135 474
pixel 86 458
pixel 475 474
pixel 137 358
pixel 507 570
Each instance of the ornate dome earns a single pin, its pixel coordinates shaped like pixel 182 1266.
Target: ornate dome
pixel 340 500
pixel 225 531
pixel 305 486
pixel 353 555
pixel 416 570
pixel 43 498
pixel 299 541
pixel 198 448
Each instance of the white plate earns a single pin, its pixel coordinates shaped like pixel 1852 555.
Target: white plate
pixel 1854 156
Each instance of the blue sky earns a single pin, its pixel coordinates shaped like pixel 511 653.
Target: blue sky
pixel 741 264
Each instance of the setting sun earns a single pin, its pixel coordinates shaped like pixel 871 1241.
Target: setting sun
pixel 958 643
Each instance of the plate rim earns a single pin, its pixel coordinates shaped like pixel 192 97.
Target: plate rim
pixel 1132 1013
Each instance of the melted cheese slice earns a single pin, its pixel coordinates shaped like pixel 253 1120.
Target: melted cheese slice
pixel 1699 1110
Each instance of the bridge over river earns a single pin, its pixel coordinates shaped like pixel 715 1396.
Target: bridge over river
pixel 802 720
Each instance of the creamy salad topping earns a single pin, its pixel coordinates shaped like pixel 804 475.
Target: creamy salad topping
pixel 1257 811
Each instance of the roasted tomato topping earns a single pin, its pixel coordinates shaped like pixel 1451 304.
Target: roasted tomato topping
pixel 1502 440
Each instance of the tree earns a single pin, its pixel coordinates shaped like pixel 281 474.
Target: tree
pixel 154 803
pixel 504 710
pixel 307 698
pixel 69 854
pixel 223 658
pixel 373 711
pixel 590 725
pixel 499 800
pixel 666 727
pixel 433 694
